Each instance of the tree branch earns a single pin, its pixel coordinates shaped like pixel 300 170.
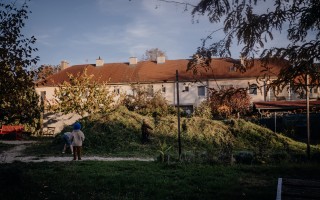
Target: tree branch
pixel 178 2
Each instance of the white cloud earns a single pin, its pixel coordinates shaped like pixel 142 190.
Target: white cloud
pixel 47 37
pixel 139 30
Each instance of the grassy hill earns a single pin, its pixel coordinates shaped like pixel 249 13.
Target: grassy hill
pixel 118 134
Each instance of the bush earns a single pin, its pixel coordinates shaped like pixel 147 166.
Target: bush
pixel 279 157
pixel 244 157
pixel 144 104
pixel 203 110
pixel 226 102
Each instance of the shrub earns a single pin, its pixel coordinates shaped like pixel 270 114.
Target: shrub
pixel 279 157
pixel 230 101
pixel 244 157
pixel 144 104
pixel 224 111
pixel 164 149
pixel 203 110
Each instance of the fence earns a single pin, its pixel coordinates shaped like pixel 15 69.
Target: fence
pixel 293 124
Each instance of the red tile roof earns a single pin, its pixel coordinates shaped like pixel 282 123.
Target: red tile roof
pixel 149 71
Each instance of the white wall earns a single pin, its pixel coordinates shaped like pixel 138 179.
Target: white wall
pixel 49 92
pixel 191 97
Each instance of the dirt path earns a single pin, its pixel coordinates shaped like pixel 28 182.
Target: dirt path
pixel 16 154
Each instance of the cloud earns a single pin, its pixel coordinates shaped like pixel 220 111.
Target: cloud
pixel 139 29
pixel 44 39
pixel 48 37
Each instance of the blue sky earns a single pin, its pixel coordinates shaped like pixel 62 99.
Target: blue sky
pixel 80 31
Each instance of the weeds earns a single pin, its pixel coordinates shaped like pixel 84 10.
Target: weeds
pixel 164 150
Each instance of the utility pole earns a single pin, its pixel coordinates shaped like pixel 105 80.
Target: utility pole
pixel 178 107
pixel 308 116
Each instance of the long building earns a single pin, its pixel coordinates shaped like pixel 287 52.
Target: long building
pixel 160 75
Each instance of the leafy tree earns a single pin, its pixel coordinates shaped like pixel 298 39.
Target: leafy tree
pixel 152 54
pixel 246 24
pixel 143 103
pixel 252 24
pixel 82 95
pixel 18 99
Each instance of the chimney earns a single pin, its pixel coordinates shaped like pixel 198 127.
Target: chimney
pixel 161 59
pixel 99 62
pixel 64 65
pixel 242 60
pixel 133 60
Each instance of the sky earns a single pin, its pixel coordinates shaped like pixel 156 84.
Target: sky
pixel 80 31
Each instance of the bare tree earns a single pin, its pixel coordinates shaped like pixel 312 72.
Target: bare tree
pixel 152 54
pixel 44 71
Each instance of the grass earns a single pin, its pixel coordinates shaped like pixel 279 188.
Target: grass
pixel 145 180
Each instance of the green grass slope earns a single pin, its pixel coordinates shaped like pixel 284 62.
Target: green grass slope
pixel 118 134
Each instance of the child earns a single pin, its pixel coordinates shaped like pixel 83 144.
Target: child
pixel 67 143
pixel 77 138
pixel 145 132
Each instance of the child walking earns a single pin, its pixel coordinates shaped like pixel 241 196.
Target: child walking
pixel 67 143
pixel 77 138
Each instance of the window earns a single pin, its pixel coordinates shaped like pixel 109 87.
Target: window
pixel 116 90
pixel 315 90
pixel 201 91
pixel 150 90
pixel 163 89
pixel 134 92
pixel 43 95
pixel 186 89
pixel 253 89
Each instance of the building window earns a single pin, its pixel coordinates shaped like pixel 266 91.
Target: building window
pixel 116 91
pixel 43 95
pixel 253 89
pixel 315 90
pixel 201 91
pixel 163 89
pixel 150 90
pixel 186 89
